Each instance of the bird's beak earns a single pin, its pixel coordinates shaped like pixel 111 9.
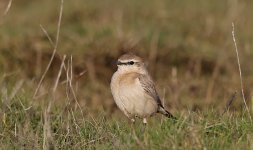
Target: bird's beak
pixel 119 63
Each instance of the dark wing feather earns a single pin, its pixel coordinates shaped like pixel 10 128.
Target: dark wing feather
pixel 149 87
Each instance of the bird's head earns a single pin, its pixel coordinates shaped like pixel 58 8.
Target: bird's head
pixel 131 63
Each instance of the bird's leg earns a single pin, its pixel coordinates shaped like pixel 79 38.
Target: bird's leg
pixel 145 124
pixel 132 120
pixel 132 126
pixel 145 121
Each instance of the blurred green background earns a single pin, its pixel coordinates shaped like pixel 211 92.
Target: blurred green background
pixel 188 46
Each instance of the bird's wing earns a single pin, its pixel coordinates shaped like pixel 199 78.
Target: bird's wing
pixel 149 87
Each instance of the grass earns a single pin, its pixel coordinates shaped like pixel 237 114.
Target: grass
pixel 191 57
pixel 22 126
pixel 198 47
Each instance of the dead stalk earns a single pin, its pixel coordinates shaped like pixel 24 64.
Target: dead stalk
pixel 7 8
pixel 46 33
pixel 239 68
pixel 69 83
pixel 59 74
pixel 54 51
pixel 47 136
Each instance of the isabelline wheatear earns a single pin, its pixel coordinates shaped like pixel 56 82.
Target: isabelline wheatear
pixel 134 91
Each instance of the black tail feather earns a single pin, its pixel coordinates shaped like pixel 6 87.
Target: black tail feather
pixel 166 113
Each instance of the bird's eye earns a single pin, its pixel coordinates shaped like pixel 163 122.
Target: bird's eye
pixel 131 62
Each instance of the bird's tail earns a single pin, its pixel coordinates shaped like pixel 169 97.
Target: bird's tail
pixel 166 113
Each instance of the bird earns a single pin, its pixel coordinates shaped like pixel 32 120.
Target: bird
pixel 134 91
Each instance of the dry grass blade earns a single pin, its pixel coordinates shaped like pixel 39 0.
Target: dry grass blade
pixel 70 86
pixel 231 100
pixel 46 33
pixel 54 52
pixel 7 8
pixel 240 72
pixel 59 74
pixel 92 141
pixel 47 136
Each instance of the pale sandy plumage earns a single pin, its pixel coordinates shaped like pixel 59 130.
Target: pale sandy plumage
pixel 133 89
